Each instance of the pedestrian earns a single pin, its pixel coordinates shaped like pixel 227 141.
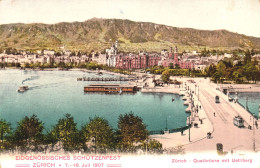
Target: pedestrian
pixel 214 114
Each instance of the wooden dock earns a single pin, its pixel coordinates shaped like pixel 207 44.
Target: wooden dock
pixel 105 79
pixel 110 88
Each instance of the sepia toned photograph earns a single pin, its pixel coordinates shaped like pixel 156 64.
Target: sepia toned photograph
pixel 128 83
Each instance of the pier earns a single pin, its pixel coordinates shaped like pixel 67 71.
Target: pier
pixel 110 88
pixel 105 79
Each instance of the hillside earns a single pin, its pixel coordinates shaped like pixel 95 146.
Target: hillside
pixel 97 34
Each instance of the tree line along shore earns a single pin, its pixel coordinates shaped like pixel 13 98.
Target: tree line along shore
pixel 96 136
pixel 246 70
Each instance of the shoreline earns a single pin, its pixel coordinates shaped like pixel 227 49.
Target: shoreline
pixel 247 87
pixel 169 140
pixel 240 87
pixel 160 90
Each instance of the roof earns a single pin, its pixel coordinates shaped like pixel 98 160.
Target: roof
pixel 109 85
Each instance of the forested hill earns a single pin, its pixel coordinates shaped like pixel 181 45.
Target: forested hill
pixel 98 34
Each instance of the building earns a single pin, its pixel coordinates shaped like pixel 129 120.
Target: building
pixel 133 61
pixel 174 60
pixel 111 55
pixel 48 52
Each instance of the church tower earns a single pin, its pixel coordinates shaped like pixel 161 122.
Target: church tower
pixel 176 61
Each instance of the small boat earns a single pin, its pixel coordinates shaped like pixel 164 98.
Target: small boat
pixel 22 88
pixel 99 73
pixel 186 103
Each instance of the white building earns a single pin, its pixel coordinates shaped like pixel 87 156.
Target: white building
pixel 228 55
pixel 48 52
pixel 111 55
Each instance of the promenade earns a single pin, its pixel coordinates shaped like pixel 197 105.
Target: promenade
pixel 234 139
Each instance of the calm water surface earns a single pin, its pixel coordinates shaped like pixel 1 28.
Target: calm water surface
pixel 252 100
pixel 55 93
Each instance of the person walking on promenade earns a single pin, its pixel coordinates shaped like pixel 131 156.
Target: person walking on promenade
pixel 214 114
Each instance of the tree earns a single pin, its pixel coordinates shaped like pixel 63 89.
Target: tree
pixel 171 65
pixel 221 68
pixel 73 53
pixel 79 54
pixel 28 133
pixel 57 53
pixel 177 66
pixel 216 77
pixel 100 132
pixel 132 130
pixel 238 75
pixel 250 71
pixel 49 139
pixel 255 61
pixel 66 133
pixel 153 146
pixel 247 58
pixel 166 76
pixel 211 70
pixel 4 129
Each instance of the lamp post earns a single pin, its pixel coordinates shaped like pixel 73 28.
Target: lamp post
pixel 195 89
pixel 189 128
pixel 253 132
pixel 166 128
pixel 198 93
pixel 146 148
pixel 190 115
pixel 246 104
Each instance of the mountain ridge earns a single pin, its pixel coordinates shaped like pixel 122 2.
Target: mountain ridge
pixel 97 34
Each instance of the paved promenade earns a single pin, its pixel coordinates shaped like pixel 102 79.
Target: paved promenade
pixel 237 140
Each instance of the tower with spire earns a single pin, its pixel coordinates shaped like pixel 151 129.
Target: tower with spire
pixel 176 61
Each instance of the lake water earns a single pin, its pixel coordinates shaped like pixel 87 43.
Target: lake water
pixel 252 100
pixel 52 94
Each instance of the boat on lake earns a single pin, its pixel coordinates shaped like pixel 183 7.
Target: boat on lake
pixel 100 73
pixel 22 88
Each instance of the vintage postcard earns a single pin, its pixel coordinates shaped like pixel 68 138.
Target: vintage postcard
pixel 128 83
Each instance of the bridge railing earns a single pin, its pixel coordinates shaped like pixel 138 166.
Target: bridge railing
pixel 170 130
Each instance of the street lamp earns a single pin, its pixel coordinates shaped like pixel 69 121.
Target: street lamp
pixel 253 132
pixel 254 124
pixel 189 127
pixel 246 103
pixel 166 129
pixel 190 114
pixel 198 93
pixel 146 148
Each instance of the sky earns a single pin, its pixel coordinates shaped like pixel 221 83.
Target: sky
pixel 241 16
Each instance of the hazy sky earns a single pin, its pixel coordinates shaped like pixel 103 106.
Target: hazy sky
pixel 241 16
